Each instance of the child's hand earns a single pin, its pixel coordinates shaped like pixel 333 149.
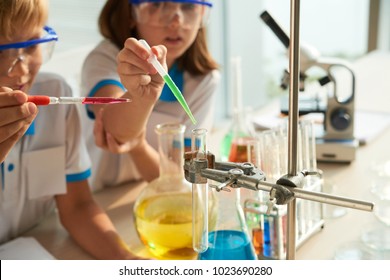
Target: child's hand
pixel 16 115
pixel 137 75
pixel 107 142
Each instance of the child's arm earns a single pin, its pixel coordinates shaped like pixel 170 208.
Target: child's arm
pixel 89 225
pixel 128 121
pixel 15 117
pixel 138 148
pixel 121 128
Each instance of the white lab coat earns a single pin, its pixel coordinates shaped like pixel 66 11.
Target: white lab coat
pixel 40 164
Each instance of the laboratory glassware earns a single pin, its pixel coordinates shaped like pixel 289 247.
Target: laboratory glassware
pixel 272 223
pixel 380 186
pixel 234 143
pixel 332 211
pixel 163 215
pixel 355 250
pixel 204 203
pixel 374 240
pixel 230 239
pixel 377 235
pixel 251 199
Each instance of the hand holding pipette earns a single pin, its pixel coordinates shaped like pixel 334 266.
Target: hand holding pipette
pixel 16 115
pixel 171 84
pixel 143 86
pixel 138 76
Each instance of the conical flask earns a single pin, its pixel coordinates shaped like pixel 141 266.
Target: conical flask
pixel 163 211
pixel 229 240
pixel 235 142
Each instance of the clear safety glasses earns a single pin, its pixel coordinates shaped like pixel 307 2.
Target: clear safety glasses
pixel 32 52
pixel 160 13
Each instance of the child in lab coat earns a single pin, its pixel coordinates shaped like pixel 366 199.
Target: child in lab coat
pixel 118 67
pixel 44 161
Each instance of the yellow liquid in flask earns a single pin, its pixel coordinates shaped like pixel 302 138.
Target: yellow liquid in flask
pixel 164 224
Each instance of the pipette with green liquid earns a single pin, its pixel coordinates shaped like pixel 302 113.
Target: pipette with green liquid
pixel 171 84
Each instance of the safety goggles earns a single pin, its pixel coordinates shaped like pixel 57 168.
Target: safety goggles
pixel 36 51
pixel 160 13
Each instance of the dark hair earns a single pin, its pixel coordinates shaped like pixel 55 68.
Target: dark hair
pixel 197 60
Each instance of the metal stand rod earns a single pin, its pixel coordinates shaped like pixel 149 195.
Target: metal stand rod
pixel 322 197
pixel 293 123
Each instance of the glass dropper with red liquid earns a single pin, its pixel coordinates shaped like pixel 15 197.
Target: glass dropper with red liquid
pixel 43 100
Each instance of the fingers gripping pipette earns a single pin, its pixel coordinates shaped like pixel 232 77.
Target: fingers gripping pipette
pixel 171 84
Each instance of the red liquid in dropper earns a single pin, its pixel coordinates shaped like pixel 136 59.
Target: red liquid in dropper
pixel 103 100
pixel 45 100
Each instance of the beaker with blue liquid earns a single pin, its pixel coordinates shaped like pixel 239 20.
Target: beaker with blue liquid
pixel 229 240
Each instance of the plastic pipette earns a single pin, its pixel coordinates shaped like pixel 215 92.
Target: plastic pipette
pixel 171 84
pixel 44 100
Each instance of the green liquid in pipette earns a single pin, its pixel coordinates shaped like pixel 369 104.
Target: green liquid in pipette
pixel 176 92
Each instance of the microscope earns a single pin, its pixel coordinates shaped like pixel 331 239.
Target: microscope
pixel 335 141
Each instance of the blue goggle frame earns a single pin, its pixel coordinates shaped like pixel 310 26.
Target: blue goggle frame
pixel 50 36
pixel 177 1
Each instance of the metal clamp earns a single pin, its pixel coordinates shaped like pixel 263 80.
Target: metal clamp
pixel 246 175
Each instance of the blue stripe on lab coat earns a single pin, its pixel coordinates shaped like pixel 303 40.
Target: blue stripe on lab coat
pixel 2 176
pixel 71 178
pixel 98 86
pixel 31 129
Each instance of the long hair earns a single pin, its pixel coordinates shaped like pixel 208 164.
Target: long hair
pixel 117 23
pixel 16 14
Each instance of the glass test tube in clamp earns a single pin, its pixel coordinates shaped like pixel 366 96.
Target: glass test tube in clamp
pixel 199 195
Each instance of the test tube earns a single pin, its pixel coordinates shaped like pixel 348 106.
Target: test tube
pixel 269 154
pixel 281 136
pixel 199 195
pixel 253 199
pixel 253 156
pixel 313 212
pixel 309 145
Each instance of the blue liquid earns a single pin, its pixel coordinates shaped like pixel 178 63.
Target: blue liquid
pixel 228 245
pixel 267 247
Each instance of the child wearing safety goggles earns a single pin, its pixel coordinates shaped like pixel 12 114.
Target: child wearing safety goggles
pixel 118 67
pixel 44 162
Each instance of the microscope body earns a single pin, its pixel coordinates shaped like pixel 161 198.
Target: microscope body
pixel 339 113
pixel 335 142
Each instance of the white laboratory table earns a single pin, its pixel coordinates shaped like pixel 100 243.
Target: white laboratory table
pixel 352 180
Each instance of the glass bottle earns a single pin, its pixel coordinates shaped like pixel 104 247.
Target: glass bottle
pixel 234 144
pixel 229 240
pixel 163 211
